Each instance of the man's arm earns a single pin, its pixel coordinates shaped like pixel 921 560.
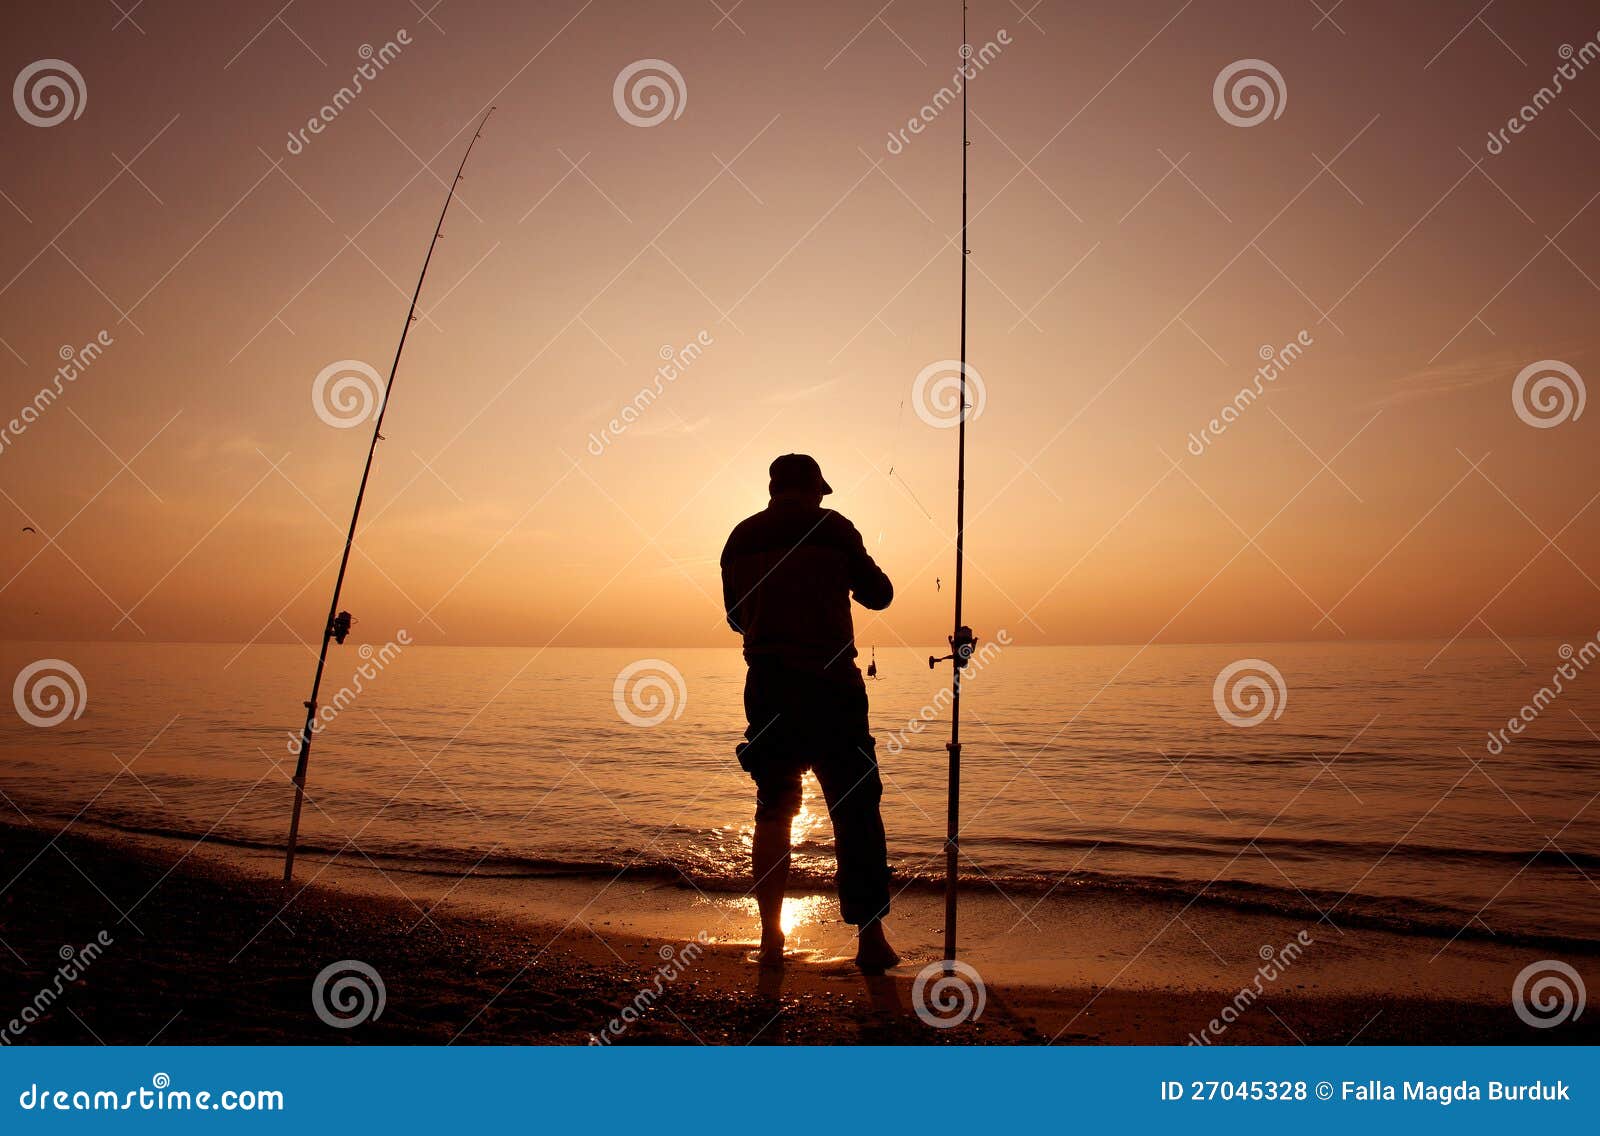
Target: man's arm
pixel 730 595
pixel 868 583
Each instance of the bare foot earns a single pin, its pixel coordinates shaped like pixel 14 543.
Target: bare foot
pixel 874 955
pixel 771 954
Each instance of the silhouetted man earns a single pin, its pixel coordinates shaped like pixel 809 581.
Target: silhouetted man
pixel 787 577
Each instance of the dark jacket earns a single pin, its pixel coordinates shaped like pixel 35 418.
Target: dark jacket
pixel 787 577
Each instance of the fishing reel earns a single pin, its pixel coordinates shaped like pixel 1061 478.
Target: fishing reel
pixel 339 627
pixel 962 644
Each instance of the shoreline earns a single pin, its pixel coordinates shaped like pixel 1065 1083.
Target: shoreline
pixel 1294 905
pixel 207 950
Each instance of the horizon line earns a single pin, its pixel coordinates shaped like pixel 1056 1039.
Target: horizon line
pixel 1422 639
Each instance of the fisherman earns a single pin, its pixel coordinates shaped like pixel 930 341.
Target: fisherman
pixel 788 574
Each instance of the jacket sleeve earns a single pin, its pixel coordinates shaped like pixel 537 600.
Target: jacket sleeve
pixel 730 594
pixel 868 583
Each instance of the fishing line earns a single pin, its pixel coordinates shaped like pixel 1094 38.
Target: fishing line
pixel 894 450
pixel 894 444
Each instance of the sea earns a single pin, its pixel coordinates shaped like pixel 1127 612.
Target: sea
pixel 1374 783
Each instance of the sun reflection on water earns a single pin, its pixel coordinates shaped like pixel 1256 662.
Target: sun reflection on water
pixel 799 911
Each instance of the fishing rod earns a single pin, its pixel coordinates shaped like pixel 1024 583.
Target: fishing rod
pixel 338 624
pixel 962 641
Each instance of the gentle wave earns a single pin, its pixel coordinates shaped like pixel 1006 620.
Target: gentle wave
pixel 1307 847
pixel 1406 915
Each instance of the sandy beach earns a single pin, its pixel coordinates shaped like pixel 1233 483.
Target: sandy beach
pixel 199 948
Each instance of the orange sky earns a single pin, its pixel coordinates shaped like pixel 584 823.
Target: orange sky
pixel 1117 306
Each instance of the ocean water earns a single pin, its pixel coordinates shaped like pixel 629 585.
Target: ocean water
pixel 1367 791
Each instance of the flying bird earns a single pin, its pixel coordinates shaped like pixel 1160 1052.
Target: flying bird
pixel 29 528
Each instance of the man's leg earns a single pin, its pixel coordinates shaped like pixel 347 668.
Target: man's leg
pixel 854 792
pixel 862 853
pixel 769 856
pixel 778 795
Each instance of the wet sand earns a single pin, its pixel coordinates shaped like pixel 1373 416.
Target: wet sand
pixel 197 948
